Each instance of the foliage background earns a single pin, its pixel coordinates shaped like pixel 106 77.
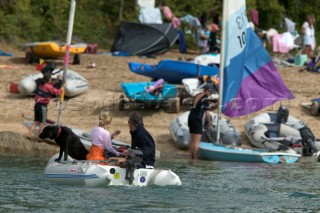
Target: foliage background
pixel 96 21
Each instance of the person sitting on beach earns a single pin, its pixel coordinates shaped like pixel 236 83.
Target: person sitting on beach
pixel 309 36
pixel 101 139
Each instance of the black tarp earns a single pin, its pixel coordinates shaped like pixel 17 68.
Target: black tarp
pixel 144 39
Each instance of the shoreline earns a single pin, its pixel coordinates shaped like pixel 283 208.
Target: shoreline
pixel 104 91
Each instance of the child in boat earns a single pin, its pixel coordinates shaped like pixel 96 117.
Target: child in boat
pixel 101 139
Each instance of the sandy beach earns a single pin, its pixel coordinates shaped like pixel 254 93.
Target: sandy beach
pixel 104 92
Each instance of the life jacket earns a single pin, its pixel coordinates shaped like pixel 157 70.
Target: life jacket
pixel 96 153
pixel 44 93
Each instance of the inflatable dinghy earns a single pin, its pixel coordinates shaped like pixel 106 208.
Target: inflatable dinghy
pixel 279 131
pixel 75 83
pixel 179 131
pixel 94 173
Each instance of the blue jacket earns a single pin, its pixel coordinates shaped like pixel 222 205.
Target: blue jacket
pixel 142 140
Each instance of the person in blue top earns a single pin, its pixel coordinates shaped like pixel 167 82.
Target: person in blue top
pixel 200 108
pixel 142 140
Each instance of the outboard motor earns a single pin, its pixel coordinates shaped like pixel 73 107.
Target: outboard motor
pixel 282 115
pixel 134 157
pixel 307 141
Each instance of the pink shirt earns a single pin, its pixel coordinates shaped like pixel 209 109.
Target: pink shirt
pixel 102 138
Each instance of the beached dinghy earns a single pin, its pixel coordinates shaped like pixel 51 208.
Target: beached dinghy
pixel 173 71
pixel 90 173
pixel 280 131
pixel 179 131
pixel 150 95
pixel 75 83
pixel 52 50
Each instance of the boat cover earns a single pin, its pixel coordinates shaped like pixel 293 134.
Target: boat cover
pixel 144 39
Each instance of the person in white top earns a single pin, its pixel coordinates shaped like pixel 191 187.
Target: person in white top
pixel 309 40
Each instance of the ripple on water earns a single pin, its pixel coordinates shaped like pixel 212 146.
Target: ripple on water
pixel 206 187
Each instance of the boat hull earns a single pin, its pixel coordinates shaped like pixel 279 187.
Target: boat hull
pixel 136 91
pixel 216 152
pixel 51 49
pixel 256 129
pixel 75 83
pixel 89 173
pixel 172 71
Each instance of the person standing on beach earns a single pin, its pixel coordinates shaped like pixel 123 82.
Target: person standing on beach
pixel 142 140
pixel 200 108
pixel 44 93
pixel 309 40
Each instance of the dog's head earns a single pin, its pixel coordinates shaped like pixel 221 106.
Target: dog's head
pixel 49 132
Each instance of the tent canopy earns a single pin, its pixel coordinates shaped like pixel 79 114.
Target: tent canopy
pixel 144 39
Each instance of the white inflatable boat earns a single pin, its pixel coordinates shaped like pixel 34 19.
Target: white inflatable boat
pixel 75 83
pixel 276 131
pixel 179 131
pixel 90 173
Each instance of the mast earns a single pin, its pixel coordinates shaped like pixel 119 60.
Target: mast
pixel 66 56
pixel 222 64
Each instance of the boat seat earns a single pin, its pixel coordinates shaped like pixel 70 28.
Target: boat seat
pixel 273 130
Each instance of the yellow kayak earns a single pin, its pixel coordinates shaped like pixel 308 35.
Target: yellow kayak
pixel 51 50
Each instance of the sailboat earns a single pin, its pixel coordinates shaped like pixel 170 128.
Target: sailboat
pixel 249 81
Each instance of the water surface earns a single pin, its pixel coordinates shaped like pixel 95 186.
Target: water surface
pixel 206 187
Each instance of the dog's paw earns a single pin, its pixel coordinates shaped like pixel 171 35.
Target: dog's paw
pixel 58 159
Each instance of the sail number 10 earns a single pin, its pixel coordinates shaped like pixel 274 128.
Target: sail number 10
pixel 242 39
pixel 241 27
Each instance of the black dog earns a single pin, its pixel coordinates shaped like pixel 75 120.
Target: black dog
pixel 69 142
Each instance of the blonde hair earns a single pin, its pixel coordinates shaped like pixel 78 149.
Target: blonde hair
pixel 105 118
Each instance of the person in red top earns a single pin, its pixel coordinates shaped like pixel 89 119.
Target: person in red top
pixel 44 94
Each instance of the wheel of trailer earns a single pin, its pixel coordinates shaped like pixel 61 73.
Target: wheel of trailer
pixel 76 59
pixel 174 105
pixel 121 103
pixel 29 58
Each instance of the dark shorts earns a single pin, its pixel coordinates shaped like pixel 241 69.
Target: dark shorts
pixel 195 125
pixel 40 112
